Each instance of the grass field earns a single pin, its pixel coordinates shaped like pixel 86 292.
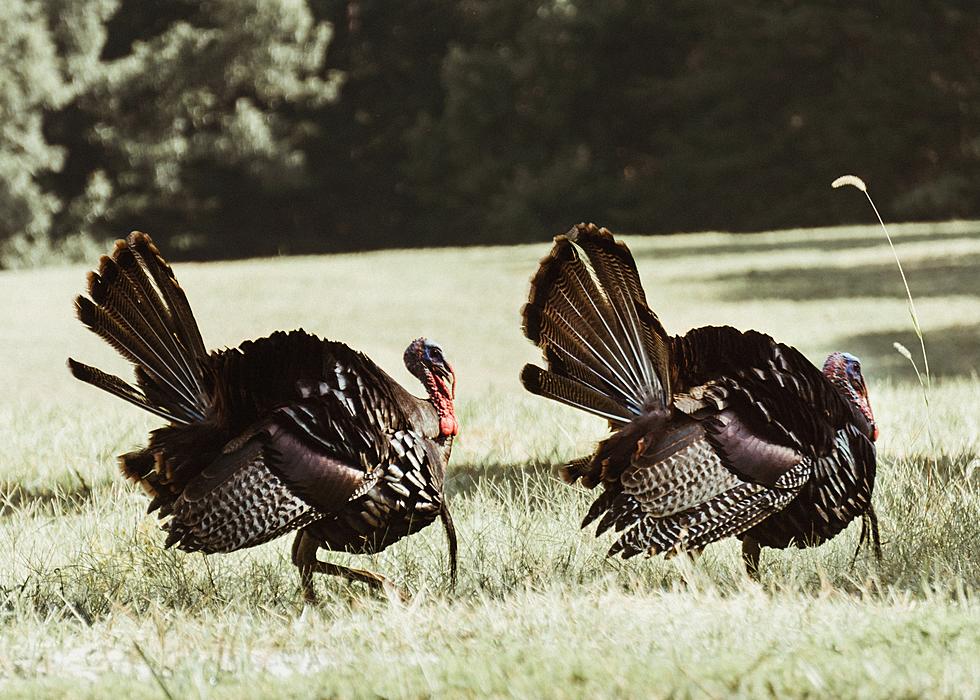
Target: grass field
pixel 90 603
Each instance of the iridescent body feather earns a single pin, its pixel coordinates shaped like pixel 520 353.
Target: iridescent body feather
pixel 715 433
pixel 288 432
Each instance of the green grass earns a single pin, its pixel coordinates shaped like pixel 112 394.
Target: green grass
pixel 91 604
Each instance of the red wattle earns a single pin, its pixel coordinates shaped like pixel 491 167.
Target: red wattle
pixel 448 425
pixel 441 395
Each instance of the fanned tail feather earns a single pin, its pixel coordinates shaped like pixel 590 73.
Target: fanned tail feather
pixel 618 277
pixel 606 351
pixel 138 307
pixel 176 301
pixel 572 393
pixel 117 387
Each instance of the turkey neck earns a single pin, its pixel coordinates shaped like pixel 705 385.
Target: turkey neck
pixel 441 397
pixel 859 404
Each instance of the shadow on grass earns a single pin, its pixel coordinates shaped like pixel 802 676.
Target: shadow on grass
pixel 14 498
pixel 953 351
pixel 464 479
pixel 934 277
pixel 748 245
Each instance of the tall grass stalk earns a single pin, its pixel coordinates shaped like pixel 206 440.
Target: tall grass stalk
pixel 855 181
pixel 926 383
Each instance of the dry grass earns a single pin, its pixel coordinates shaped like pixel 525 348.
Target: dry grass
pixel 91 604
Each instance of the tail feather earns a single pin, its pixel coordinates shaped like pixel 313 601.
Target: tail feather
pixel 570 366
pixel 575 344
pixel 139 275
pixel 174 296
pixel 617 274
pixel 565 293
pixel 138 308
pixel 619 289
pixel 112 328
pixel 122 286
pixel 117 387
pixel 600 339
pixel 572 393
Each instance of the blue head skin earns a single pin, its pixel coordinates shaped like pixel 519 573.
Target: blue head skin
pixel 425 359
pixel 844 372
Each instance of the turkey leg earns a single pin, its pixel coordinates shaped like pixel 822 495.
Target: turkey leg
pixel 304 557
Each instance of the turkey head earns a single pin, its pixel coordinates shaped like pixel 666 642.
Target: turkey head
pixel 426 360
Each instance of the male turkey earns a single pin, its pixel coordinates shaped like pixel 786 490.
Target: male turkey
pixel 288 432
pixel 716 433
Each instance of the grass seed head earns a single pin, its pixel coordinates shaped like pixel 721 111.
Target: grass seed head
pixel 903 351
pixel 852 180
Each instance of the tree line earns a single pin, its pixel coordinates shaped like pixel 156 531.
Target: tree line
pixel 254 127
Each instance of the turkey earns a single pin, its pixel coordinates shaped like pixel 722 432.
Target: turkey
pixel 715 433
pixel 285 433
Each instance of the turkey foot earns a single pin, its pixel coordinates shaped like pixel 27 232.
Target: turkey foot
pixel 304 557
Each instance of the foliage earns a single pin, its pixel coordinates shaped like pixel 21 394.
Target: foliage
pixel 30 81
pixel 264 126
pixel 390 56
pixel 662 117
pixel 197 127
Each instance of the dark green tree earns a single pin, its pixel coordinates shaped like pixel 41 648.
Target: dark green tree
pixel 197 129
pixel 390 55
pixel 683 116
pixel 246 127
pixel 31 81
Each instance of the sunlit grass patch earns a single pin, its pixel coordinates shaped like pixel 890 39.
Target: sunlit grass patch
pixel 538 609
